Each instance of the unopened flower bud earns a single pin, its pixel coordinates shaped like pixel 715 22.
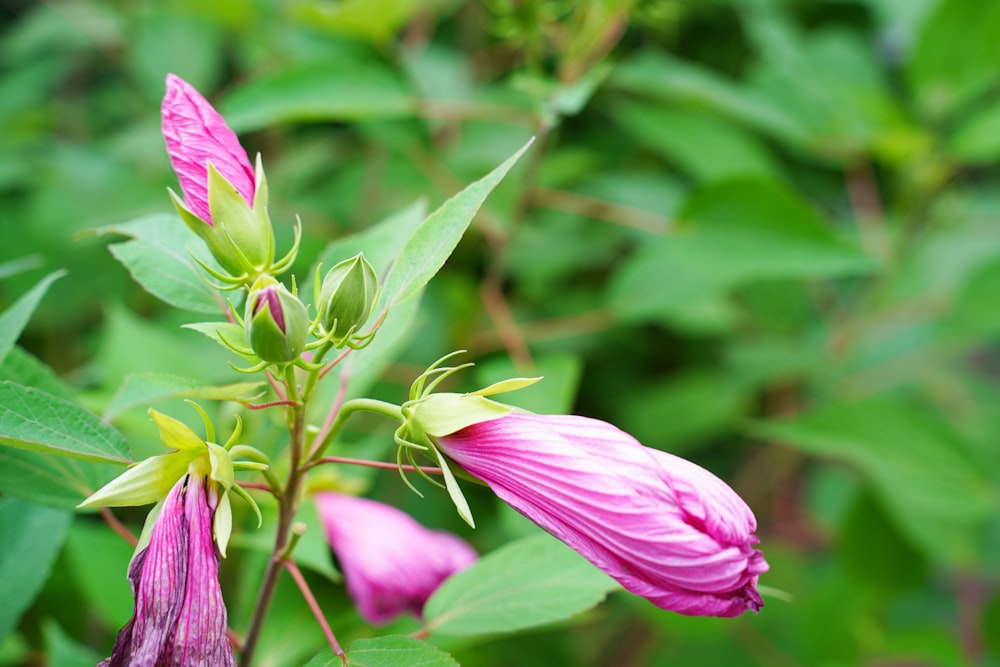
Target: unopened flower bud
pixel 277 323
pixel 225 196
pixel 347 297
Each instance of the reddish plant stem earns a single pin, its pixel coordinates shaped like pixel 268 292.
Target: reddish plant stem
pixel 119 527
pixel 331 415
pixel 275 385
pixel 310 599
pixel 272 404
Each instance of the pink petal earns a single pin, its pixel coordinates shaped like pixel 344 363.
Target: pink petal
pixel 195 134
pixel 661 526
pixel 390 562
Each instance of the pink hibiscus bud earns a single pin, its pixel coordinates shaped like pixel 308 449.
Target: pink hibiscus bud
pixel 391 563
pixel 663 527
pixel 275 321
pixel 179 616
pixel 225 197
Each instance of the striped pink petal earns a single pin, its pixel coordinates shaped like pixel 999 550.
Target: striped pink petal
pixel 179 618
pixel 661 526
pixel 195 134
pixel 391 563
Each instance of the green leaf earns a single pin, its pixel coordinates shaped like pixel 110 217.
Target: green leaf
pixel 63 650
pixel 957 55
pixel 159 260
pixel 147 388
pixel 98 559
pixel 387 651
pixel 707 148
pixel 921 469
pixel 229 331
pixel 977 139
pixel 32 419
pixel 32 537
pixel 736 232
pixel 14 319
pixel 57 481
pixel 531 582
pixel 24 368
pixel 664 77
pixel 426 251
pixel 20 265
pixel 310 92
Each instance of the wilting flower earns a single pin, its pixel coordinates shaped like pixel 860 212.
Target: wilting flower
pixel 196 134
pixel 390 562
pixel 661 526
pixel 179 618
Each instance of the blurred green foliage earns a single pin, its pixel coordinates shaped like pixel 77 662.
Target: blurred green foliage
pixel 764 234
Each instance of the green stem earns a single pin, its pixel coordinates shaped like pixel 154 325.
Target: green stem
pixel 288 502
pixel 390 410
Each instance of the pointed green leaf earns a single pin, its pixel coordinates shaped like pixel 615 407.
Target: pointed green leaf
pixel 159 260
pixel 32 538
pixel 145 388
pixel 387 651
pixel 221 332
pixel 32 419
pixel 14 319
pixel 534 581
pixel 20 265
pixel 434 240
pixel 57 481
pixel 329 90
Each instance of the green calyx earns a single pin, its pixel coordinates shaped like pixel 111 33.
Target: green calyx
pixel 150 480
pixel 240 237
pixel 276 322
pixel 427 416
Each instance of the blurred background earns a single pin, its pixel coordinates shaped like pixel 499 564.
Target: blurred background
pixel 761 234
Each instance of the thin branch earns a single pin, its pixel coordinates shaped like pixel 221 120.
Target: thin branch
pixel 119 527
pixel 310 599
pixel 271 404
pixel 331 415
pixel 601 209
pixel 275 385
pixel 506 326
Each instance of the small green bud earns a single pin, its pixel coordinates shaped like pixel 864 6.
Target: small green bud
pixel 276 322
pixel 347 297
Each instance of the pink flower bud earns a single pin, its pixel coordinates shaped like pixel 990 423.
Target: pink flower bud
pixel 661 526
pixel 390 562
pixel 179 616
pixel 196 134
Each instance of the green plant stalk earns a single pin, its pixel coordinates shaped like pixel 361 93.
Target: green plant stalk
pixel 288 503
pixel 383 408
pixel 288 499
